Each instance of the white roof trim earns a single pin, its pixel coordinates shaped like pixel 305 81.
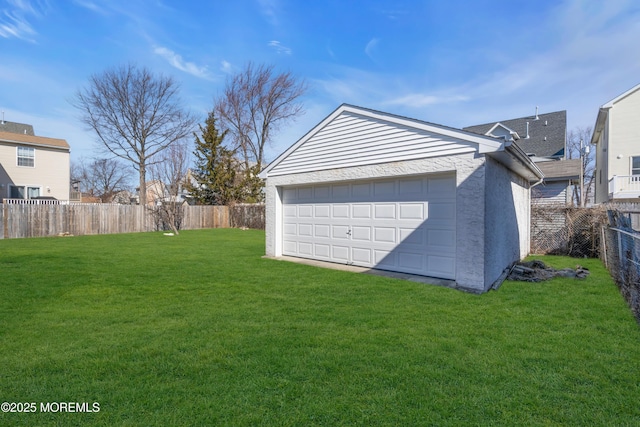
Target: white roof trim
pixel 486 144
pixel 513 133
pixel 603 113
pixel 620 97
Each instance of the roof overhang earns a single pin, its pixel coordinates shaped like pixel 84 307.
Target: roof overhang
pixel 517 160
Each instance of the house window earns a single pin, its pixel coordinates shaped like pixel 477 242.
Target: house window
pixel 26 156
pixel 635 165
pixel 17 192
pixel 23 192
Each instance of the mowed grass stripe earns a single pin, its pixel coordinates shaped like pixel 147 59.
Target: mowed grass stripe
pixel 198 329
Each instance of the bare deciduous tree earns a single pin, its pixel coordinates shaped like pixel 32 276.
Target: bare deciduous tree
pixel 169 172
pixel 102 178
pixel 579 147
pixel 135 114
pixel 255 103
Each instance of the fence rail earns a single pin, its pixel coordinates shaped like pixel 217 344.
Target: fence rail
pixel 42 220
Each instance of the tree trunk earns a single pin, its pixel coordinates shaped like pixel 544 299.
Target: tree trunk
pixel 143 186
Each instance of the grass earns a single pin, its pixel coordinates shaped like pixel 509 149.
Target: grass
pixel 198 329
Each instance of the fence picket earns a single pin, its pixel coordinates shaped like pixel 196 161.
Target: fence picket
pixel 42 220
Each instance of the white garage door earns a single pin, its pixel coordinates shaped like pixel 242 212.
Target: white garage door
pixel 405 225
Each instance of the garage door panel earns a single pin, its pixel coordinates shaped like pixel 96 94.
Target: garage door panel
pixel 290 247
pixel 322 250
pixel 361 256
pixel 410 236
pixel 340 211
pixel 443 185
pixel 340 192
pixel 385 211
pixel 385 259
pixel 340 253
pixel 340 232
pixel 443 238
pixel 290 211
pixel 305 230
pixel 411 187
pixel 412 211
pixel 322 231
pixel 442 210
pixel 405 225
pixel 322 192
pixel 411 260
pixel 305 248
pixel 444 266
pixel 290 229
pixel 361 211
pixel 361 233
pixel 322 211
pixel 305 211
pixel 382 189
pixel 359 191
pixel 384 234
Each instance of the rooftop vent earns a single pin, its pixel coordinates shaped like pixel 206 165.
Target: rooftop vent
pixel 537 118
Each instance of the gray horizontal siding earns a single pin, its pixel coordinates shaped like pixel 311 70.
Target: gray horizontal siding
pixel 551 193
pixel 353 140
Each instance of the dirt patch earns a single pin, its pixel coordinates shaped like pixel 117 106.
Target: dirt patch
pixel 538 271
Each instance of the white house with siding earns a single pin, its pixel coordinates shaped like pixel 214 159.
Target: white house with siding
pixel 32 166
pixel 616 135
pixel 377 190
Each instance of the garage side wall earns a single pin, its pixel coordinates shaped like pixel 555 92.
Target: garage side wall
pixel 470 200
pixel 508 215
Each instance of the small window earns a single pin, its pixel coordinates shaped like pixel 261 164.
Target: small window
pixel 24 192
pixel 26 156
pixel 16 192
pixel 635 165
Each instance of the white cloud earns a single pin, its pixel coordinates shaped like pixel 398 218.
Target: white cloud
pixel 279 47
pixel 226 67
pixel 269 9
pixel 14 20
pixel 92 6
pixel 419 100
pixel 182 65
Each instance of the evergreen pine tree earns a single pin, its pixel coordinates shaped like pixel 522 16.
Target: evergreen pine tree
pixel 215 167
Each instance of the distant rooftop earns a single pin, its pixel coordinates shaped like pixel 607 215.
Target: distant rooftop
pixel 13 127
pixel 547 133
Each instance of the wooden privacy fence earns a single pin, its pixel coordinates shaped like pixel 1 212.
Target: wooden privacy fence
pixel 25 220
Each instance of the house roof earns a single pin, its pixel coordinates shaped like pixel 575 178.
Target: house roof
pixel 14 127
pixel 556 170
pixel 603 112
pixel 547 134
pixel 17 138
pixel 515 158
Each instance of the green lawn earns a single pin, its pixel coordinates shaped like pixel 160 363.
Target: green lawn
pixel 198 329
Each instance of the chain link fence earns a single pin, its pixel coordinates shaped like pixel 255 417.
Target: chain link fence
pixel 621 255
pixel 561 230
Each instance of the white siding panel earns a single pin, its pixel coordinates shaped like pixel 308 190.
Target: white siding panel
pixel 354 140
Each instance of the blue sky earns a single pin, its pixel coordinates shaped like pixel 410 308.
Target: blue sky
pixel 455 63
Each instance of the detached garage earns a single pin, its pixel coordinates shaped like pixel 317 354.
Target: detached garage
pixel 377 190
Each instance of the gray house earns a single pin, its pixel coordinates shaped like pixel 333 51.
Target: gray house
pixel 544 138
pixel 377 190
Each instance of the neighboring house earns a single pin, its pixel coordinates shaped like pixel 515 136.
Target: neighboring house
pixel 382 191
pixel 617 139
pixel 32 166
pixel 544 138
pixel 158 193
